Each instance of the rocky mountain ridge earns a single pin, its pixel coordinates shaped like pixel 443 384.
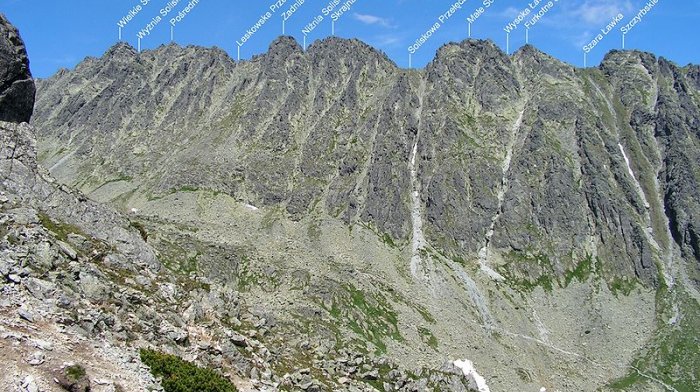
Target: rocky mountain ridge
pixel 513 209
pixel 266 145
pixel 83 291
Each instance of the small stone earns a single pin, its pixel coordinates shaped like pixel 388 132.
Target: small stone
pixel 14 278
pixel 6 266
pixel 36 359
pixel 371 376
pixel 38 288
pixel 42 345
pixel 29 385
pixel 11 336
pixel 238 340
pixel 25 315
pixel 76 239
pixel 68 250
pixel 143 281
pixel 305 386
pixel 343 380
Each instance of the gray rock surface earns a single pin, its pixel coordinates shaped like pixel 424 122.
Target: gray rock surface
pixel 518 157
pixel 16 85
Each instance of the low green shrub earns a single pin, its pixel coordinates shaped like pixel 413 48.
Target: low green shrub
pixel 178 375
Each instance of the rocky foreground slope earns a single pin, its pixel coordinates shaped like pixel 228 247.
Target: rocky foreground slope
pixel 538 219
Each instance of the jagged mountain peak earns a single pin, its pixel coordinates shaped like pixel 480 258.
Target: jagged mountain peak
pixel 620 55
pixel 173 54
pixel 533 62
pixel 125 52
pixel 285 44
pixel 531 52
pixel 623 60
pixel 475 65
pixel 121 50
pixel 471 49
pixel 281 50
pixel 332 47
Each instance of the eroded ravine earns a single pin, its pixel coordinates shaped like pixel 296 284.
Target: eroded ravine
pixel 418 241
pixel 500 195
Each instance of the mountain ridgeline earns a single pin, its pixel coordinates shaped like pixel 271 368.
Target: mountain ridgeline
pixel 512 158
pixel 330 221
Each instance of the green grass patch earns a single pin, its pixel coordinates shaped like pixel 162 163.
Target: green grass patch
pixel 232 121
pixel 425 314
pixel 524 272
pixel 527 281
pixel 581 272
pixel 75 372
pixel 622 286
pixel 314 229
pixel 386 238
pixel 59 230
pixel 673 356
pixel 178 375
pixel 628 381
pixel 176 257
pixel 249 277
pixel 371 317
pixel 188 188
pixel 118 179
pixel 428 338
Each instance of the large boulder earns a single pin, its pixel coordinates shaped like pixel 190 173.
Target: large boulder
pixel 17 88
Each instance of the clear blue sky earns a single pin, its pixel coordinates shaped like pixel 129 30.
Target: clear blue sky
pixel 61 33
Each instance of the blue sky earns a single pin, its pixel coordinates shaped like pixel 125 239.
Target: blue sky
pixel 61 33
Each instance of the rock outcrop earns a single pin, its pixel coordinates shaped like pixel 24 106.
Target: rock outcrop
pixel 16 85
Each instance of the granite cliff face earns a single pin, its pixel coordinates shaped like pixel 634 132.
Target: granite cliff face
pixel 516 156
pixel 510 209
pixel 16 84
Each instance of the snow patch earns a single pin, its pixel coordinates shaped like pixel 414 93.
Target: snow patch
pixel 470 373
pixel 251 207
pixel 631 172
